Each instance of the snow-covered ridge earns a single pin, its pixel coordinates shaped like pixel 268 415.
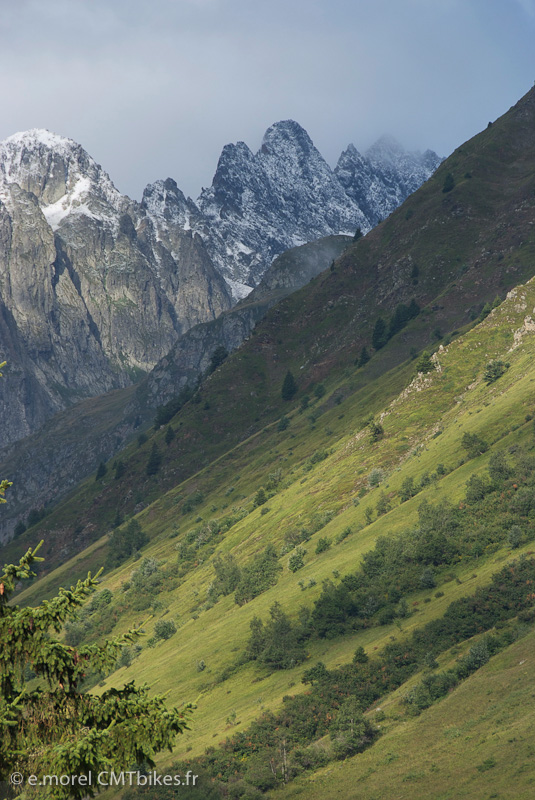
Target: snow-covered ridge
pixel 286 194
pixel 259 204
pixel 61 174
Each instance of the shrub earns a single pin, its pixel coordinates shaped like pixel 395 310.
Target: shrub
pixel 277 643
pixel 350 731
pixel 260 498
pixel 499 469
pixel 383 505
pixel 218 356
pixel 376 477
pixel 376 430
pixel 227 575
pixel 407 489
pixel 424 363
pixel 259 575
pixel 322 545
pixel 169 435
pixel 449 183
pixel 124 542
pixel 343 534
pixel 154 462
pixel 476 489
pixel 494 370
pixel 473 444
pixel 360 656
pixel 164 629
pixel 514 536
pixel 101 471
pixel 289 387
pixel 297 559
pixel 380 334
pixel 363 358
pixel 427 579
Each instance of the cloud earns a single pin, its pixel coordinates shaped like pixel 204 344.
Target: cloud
pixel 155 90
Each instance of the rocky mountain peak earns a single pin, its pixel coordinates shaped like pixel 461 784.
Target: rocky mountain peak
pixel 286 132
pixel 166 204
pixel 59 172
pixel 95 286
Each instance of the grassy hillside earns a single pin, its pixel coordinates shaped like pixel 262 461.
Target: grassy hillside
pixel 423 428
pixel 370 506
pixel 450 251
pixel 475 743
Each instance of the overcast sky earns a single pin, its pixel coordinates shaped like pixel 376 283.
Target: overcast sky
pixel 155 88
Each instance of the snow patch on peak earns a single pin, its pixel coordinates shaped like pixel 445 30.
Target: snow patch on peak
pixel 165 204
pixel 61 174
pixel 39 136
pixel 56 212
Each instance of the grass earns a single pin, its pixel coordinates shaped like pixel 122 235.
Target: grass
pixel 228 451
pixel 475 743
pixel 451 399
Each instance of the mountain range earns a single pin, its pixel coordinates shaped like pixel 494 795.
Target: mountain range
pixel 260 204
pixel 95 288
pixel 329 538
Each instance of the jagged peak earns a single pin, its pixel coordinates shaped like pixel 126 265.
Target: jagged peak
pixel 286 131
pixel 163 190
pixel 57 170
pixel 163 200
pixel 231 151
pixel 40 136
pixel 350 154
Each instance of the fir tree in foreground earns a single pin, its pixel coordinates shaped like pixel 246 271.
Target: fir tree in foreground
pixel 54 728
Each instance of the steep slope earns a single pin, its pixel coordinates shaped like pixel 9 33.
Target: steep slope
pixel 474 743
pixel 190 357
pixel 451 251
pixel 394 505
pixel 90 296
pixel 320 472
pixel 50 462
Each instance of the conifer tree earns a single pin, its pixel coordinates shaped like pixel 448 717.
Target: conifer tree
pixel 155 460
pixel 101 471
pixel 169 434
pixel 289 387
pixel 54 728
pixel 363 358
pixel 379 335
pixel 424 363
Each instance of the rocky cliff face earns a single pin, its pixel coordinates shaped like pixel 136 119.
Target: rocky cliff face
pixel 50 462
pixel 190 357
pixel 90 293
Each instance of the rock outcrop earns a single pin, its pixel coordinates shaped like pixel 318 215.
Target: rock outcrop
pixel 91 295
